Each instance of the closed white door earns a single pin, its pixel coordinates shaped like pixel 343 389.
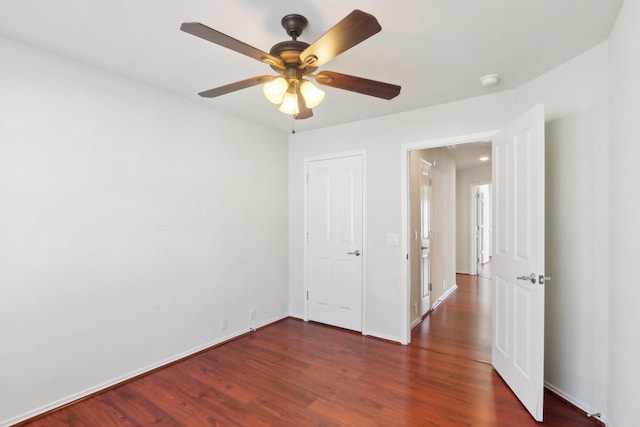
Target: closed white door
pixel 334 242
pixel 518 260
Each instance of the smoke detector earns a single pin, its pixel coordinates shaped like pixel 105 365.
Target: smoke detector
pixel 489 80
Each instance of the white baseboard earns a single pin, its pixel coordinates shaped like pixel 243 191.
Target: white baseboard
pixel 415 322
pixel 380 335
pixel 444 296
pixel 365 332
pixel 296 316
pixel 107 384
pixel 576 402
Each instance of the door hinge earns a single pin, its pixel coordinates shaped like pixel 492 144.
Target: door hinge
pixel 307 178
pixel 430 286
pixel 307 295
pixel 407 256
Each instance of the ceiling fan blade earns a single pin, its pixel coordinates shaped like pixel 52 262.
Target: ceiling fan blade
pixel 232 87
pixel 304 111
pixel 353 29
pixel 358 84
pixel 221 39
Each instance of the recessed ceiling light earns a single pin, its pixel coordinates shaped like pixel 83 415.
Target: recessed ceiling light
pixel 489 80
pixel 483 158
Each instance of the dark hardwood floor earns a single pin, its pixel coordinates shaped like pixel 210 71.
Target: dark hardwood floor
pixel 294 373
pixel 461 325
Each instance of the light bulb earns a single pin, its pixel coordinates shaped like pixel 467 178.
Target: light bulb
pixel 311 94
pixel 275 89
pixel 289 104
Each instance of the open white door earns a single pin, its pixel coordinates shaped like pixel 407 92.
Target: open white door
pixel 334 241
pixel 518 260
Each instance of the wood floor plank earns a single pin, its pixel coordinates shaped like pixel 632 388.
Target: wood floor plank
pixel 138 411
pixel 294 373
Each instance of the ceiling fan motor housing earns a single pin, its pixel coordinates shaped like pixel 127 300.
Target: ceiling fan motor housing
pixel 289 50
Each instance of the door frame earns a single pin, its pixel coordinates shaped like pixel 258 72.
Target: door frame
pixel 404 192
pixel 330 156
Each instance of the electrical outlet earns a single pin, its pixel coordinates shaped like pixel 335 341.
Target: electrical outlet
pixel 252 314
pixel 224 324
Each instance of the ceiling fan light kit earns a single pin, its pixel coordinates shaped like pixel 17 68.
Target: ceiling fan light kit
pixel 275 89
pixel 290 104
pixel 296 62
pixel 311 94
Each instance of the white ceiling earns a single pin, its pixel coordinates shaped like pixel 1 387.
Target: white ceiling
pixel 467 156
pixel 435 49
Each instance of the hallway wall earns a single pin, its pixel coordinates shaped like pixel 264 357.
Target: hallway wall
pixel 442 249
pixel 443 260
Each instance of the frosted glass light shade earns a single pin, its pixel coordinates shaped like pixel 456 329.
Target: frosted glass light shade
pixel 289 104
pixel 275 89
pixel 311 94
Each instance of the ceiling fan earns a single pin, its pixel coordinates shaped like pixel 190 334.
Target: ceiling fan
pixel 295 62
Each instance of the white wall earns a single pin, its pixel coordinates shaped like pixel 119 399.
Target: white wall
pixel 576 213
pixel 464 180
pixel 131 223
pixel 624 223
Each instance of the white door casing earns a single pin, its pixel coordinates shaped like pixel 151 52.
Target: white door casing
pixel 518 252
pixel 480 227
pixel 474 233
pixel 483 223
pixel 477 229
pixel 426 233
pixel 485 227
pixel 335 241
